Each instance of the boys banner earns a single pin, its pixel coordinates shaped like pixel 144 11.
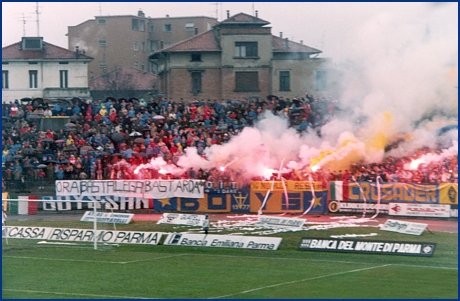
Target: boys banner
pixel 155 189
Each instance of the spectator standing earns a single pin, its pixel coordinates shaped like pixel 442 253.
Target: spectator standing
pixel 41 179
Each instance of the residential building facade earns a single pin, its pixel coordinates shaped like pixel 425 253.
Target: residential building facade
pixel 239 57
pixel 33 68
pixel 128 40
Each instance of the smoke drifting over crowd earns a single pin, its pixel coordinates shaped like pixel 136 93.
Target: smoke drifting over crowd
pixel 398 82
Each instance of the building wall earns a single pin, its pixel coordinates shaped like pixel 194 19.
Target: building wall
pixel 228 83
pixel 48 77
pixel 303 79
pixel 264 43
pixel 181 85
pixel 120 37
pixel 119 50
pixel 178 29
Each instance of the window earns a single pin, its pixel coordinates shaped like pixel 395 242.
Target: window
pixel 143 67
pixel 285 82
pixel 136 64
pixel 246 81
pixel 136 46
pixel 102 64
pixel 32 43
pixel 101 21
pixel 189 26
pixel 153 46
pixel 196 57
pixel 143 46
pixel 64 78
pixel 5 80
pixel 196 82
pixel 33 79
pixel 151 27
pixel 63 63
pixel 141 25
pixel 246 49
pixel 135 24
pixel 321 80
pixel 152 67
pixel 102 43
pixel 209 26
pixel 167 27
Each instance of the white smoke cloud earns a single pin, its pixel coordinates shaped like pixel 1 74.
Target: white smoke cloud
pixel 398 78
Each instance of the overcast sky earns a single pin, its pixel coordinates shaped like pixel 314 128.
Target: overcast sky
pixel 326 26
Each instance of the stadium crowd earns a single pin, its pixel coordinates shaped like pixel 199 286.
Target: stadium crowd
pixel 105 139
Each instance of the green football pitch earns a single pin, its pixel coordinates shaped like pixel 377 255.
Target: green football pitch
pixel 76 271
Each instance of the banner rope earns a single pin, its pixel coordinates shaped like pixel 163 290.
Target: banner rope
pixel 313 196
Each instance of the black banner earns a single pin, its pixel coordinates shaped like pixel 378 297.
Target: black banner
pixel 368 246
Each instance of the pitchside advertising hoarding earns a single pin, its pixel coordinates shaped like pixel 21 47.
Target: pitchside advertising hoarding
pixel 70 235
pixel 182 219
pixel 223 241
pixel 83 235
pixel 404 227
pixel 425 249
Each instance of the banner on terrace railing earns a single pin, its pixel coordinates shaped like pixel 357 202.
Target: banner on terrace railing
pixel 295 199
pixel 56 203
pixel 445 193
pixel 155 189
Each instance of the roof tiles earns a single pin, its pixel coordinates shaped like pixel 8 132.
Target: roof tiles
pixel 49 51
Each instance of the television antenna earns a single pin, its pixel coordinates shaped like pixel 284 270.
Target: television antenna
pixel 217 9
pixel 24 19
pixel 38 19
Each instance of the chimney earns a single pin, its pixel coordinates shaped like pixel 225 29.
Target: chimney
pixel 257 13
pixel 167 16
pixel 301 42
pixel 228 14
pixel 286 44
pixel 281 34
pixel 77 50
pixel 162 44
pixel 196 30
pixel 140 13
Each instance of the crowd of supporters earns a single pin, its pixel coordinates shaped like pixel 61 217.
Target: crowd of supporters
pixel 107 139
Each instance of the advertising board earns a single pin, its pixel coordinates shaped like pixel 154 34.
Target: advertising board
pixel 425 249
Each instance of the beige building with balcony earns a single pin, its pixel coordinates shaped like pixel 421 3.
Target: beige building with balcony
pixel 239 57
pixel 128 40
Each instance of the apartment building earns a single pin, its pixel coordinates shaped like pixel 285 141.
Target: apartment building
pixel 128 40
pixel 240 57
